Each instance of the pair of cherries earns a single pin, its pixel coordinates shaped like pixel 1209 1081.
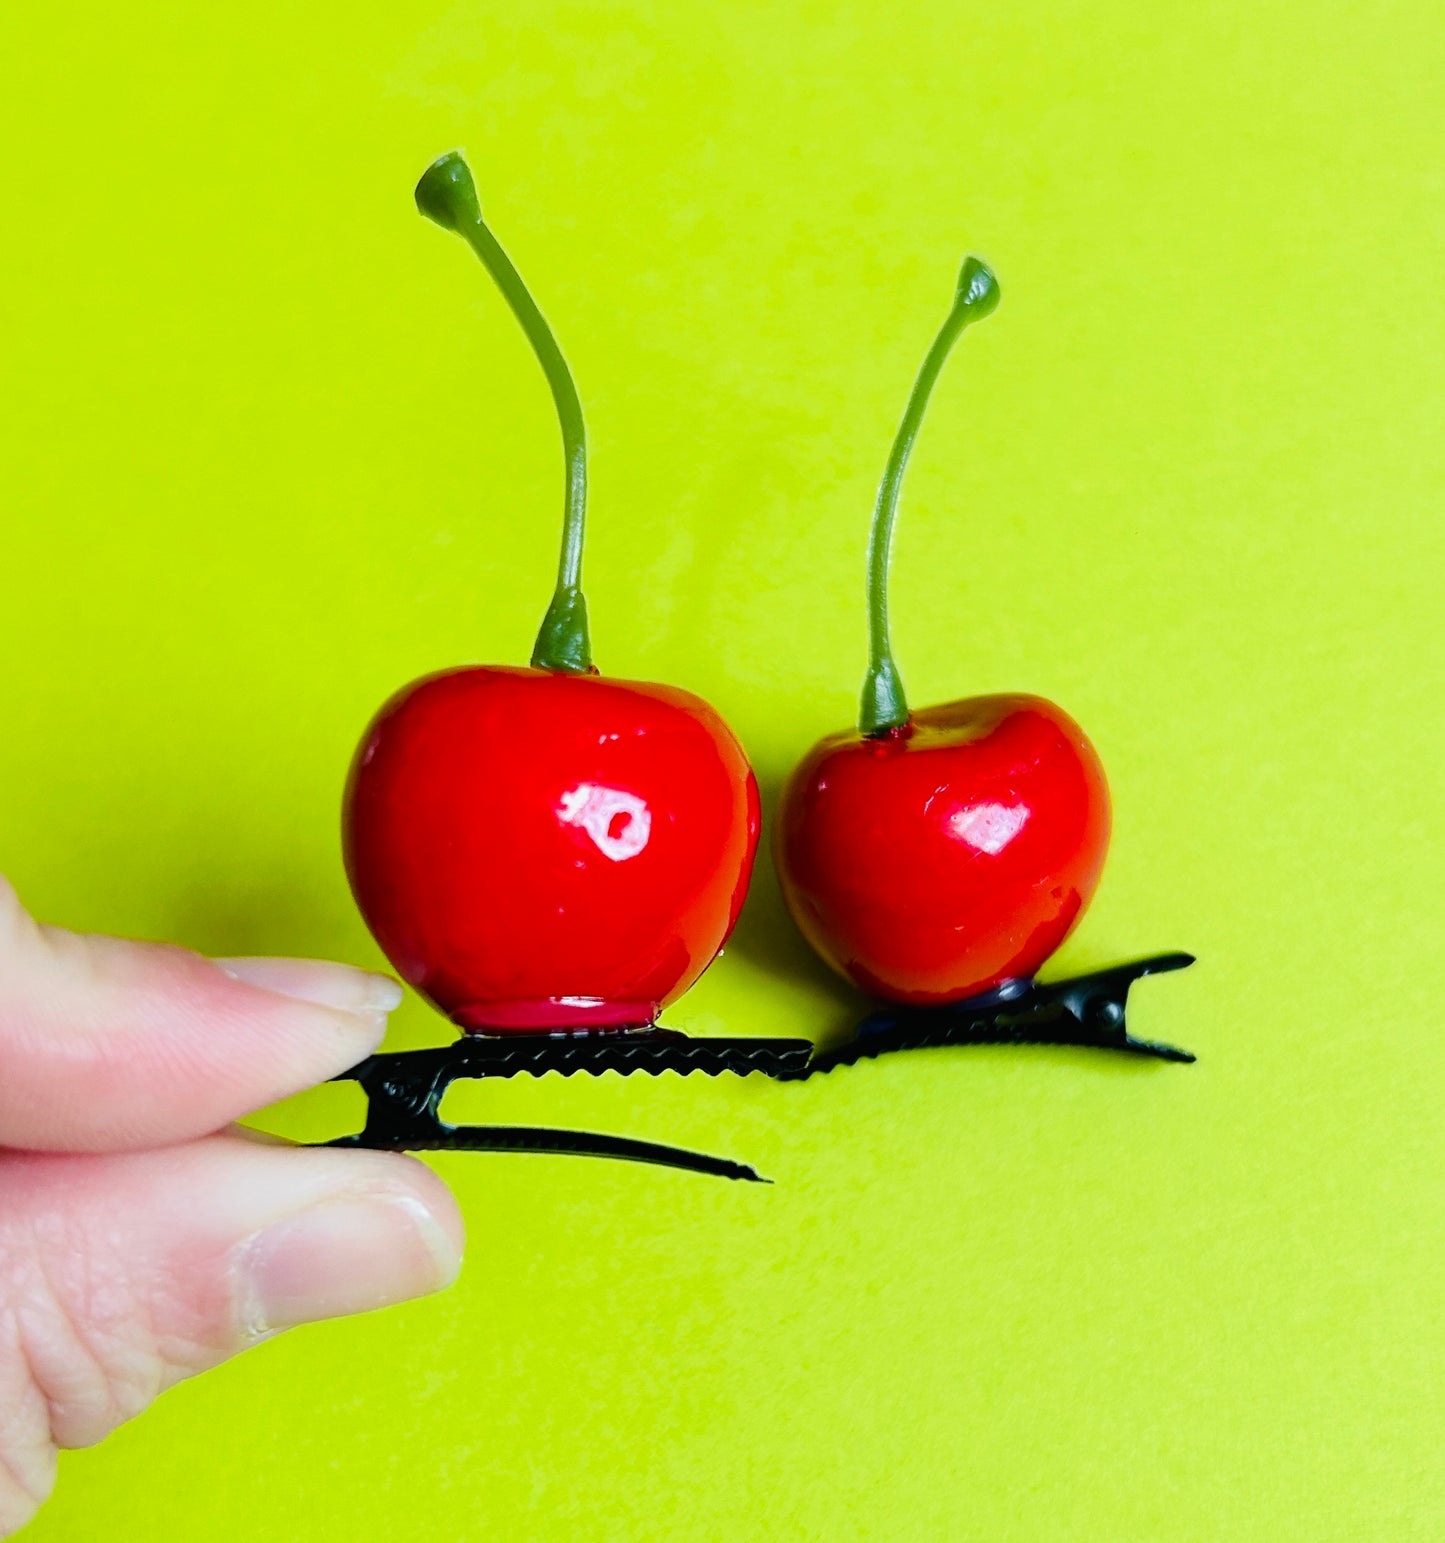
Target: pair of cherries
pixel 547 850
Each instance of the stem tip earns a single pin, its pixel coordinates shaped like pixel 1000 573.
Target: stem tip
pixel 447 194
pixel 978 290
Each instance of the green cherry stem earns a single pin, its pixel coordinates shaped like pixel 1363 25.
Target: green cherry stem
pixel 884 708
pixel 447 194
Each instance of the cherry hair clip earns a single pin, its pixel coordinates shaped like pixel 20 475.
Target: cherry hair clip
pixel 551 857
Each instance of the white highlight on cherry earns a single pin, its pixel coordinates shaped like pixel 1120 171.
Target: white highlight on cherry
pixel 988 827
pixel 619 823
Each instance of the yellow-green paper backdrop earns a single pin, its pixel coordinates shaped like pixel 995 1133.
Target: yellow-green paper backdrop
pixel 272 446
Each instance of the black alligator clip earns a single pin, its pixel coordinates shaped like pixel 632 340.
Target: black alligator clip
pixel 405 1088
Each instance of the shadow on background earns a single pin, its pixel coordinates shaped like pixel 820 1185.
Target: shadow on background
pixel 767 936
pixel 280 911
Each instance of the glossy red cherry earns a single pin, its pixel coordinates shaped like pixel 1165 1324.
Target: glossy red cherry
pixel 541 850
pixel 932 856
pixel 937 862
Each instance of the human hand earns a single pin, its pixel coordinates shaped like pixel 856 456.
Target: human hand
pixel 141 1240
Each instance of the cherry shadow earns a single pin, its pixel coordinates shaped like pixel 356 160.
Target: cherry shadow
pixel 271 908
pixel 767 936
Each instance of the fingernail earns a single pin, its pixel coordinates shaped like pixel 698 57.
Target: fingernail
pixel 344 1256
pixel 316 980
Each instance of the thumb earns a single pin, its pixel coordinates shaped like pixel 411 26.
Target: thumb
pixel 120 1275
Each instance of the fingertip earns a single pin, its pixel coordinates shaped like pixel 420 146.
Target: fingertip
pixel 348 1256
pixel 339 986
pixel 442 1205
pixel 390 1235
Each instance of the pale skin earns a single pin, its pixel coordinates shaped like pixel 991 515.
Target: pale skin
pixel 144 1238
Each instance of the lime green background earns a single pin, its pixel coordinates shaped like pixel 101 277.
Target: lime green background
pixel 271 447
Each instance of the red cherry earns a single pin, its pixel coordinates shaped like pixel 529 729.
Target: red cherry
pixel 934 863
pixel 932 856
pixel 537 851
pixel 545 849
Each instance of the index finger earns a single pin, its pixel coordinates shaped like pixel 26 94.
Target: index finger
pixel 107 1044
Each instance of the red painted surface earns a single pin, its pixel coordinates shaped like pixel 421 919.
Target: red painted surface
pixel 933 865
pixel 537 851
